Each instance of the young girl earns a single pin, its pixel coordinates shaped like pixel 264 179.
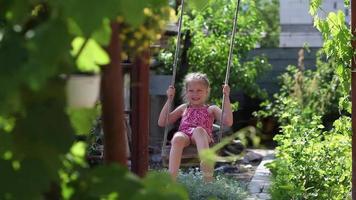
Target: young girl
pixel 196 120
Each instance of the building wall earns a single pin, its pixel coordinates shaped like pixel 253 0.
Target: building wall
pixel 297 24
pixel 280 58
pixel 158 87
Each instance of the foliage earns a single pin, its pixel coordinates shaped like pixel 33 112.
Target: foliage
pixel 95 184
pixel 337 45
pixel 137 39
pixel 314 162
pixel 82 119
pixel 113 181
pixel 269 9
pixel 305 93
pixel 221 188
pixel 40 41
pixel 209 31
pixel 307 155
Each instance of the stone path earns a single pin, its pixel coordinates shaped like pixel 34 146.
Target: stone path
pixel 260 182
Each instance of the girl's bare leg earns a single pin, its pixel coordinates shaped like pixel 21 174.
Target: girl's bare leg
pixel 179 141
pixel 201 139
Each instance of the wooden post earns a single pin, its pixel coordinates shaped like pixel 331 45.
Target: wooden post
pixel 112 103
pixel 140 114
pixel 353 98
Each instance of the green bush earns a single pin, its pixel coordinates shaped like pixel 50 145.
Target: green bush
pixel 313 161
pixel 312 164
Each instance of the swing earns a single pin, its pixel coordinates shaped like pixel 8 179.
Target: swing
pixel 190 154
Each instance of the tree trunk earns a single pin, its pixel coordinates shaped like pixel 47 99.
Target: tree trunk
pixel 112 103
pixel 140 114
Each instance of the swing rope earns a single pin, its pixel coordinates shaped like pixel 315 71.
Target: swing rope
pixel 227 75
pixel 175 63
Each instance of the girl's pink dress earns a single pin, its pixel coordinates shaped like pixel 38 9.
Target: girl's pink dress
pixel 196 117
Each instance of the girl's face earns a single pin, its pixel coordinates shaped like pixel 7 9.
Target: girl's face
pixel 197 92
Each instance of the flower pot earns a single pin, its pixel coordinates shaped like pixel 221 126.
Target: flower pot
pixel 82 90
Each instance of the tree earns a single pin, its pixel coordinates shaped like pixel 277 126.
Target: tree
pixel 269 10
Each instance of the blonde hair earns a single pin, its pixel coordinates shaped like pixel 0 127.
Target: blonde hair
pixel 194 76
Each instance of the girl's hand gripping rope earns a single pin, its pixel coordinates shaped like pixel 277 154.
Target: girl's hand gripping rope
pixel 171 92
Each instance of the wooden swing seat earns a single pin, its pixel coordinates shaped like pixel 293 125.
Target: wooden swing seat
pixel 189 158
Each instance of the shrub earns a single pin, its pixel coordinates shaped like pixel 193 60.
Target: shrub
pixel 313 164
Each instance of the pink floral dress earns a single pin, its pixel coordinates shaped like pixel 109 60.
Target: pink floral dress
pixel 196 117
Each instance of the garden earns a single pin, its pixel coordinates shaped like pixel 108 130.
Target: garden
pixel 47 138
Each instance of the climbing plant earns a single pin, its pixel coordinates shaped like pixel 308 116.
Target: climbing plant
pixel 337 36
pixel 40 43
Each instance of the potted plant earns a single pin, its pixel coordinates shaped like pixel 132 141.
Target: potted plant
pixel 84 84
pixel 83 90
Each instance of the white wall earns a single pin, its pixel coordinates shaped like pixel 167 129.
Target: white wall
pixel 296 12
pixel 291 39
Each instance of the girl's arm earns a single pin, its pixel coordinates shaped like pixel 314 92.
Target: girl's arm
pixel 172 116
pixel 227 118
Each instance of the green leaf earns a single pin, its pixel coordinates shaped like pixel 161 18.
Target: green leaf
pixel 197 4
pixel 32 179
pixel 78 149
pixel 156 3
pixel 13 55
pixel 18 11
pixel 6 146
pixel 347 3
pixel 78 152
pixel 82 119
pixel 102 35
pixel 339 70
pixel 74 28
pixel 314 6
pixel 105 180
pixel 91 57
pixel 89 14
pixel 43 59
pixel 44 131
pixel 132 11
pixel 160 186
